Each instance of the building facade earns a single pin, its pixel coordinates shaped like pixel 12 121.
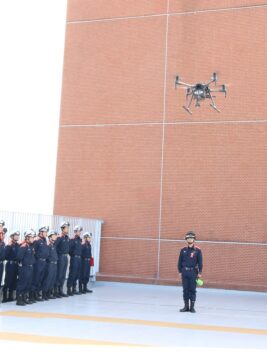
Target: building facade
pixel 129 154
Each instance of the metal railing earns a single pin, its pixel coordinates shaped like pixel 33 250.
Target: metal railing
pixel 23 221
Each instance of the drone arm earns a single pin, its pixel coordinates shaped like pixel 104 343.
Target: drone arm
pixel 217 90
pixel 185 84
pixel 210 82
pixel 223 90
pixel 178 82
pixel 213 79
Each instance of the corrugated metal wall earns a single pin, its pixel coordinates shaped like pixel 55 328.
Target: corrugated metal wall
pixel 23 221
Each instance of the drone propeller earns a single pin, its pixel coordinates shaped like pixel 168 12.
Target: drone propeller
pixel 176 81
pixel 213 78
pixel 224 89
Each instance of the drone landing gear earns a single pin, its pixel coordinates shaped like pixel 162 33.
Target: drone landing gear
pixel 215 108
pixel 187 109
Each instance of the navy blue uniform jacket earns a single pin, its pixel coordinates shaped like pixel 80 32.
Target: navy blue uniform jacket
pixel 191 258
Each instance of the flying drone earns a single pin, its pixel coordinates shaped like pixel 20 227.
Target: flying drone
pixel 200 92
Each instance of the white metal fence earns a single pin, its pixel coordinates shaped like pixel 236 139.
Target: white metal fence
pixel 24 221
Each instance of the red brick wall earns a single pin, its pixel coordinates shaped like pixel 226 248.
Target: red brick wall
pixel 129 154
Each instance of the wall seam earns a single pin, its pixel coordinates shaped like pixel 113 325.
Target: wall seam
pixel 163 137
pixel 217 242
pixel 71 22
pixel 212 122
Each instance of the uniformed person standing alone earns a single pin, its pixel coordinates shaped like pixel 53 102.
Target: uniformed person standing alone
pixel 85 263
pixel 62 244
pixel 75 262
pixel 11 252
pixel 190 266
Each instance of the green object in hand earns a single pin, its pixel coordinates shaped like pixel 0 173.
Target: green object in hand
pixel 199 282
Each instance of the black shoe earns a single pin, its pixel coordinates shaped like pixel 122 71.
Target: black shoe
pixel 192 307
pixel 75 292
pixel 32 297
pixel 20 300
pixel 83 289
pixel 69 291
pixel 10 295
pixel 44 295
pixel 26 299
pixel 5 299
pixel 56 292
pixel 80 289
pixel 87 290
pixel 38 296
pixel 51 295
pixel 186 306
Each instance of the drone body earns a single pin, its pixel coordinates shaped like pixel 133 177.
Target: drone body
pixel 201 91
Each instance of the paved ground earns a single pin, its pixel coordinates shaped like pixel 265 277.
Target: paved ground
pixel 143 315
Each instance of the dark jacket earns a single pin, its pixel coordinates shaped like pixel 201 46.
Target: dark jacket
pixel 25 255
pixel 86 250
pixel 11 252
pixel 190 258
pixel 62 244
pixel 75 246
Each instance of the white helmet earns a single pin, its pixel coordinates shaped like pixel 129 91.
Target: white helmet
pixel 28 233
pixel 87 234
pixel 14 232
pixel 52 232
pixel 33 232
pixel 64 224
pixel 44 228
pixel 78 228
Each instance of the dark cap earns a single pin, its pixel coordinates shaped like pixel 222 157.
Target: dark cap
pixel 190 235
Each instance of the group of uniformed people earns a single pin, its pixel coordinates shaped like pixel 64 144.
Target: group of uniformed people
pixel 36 266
